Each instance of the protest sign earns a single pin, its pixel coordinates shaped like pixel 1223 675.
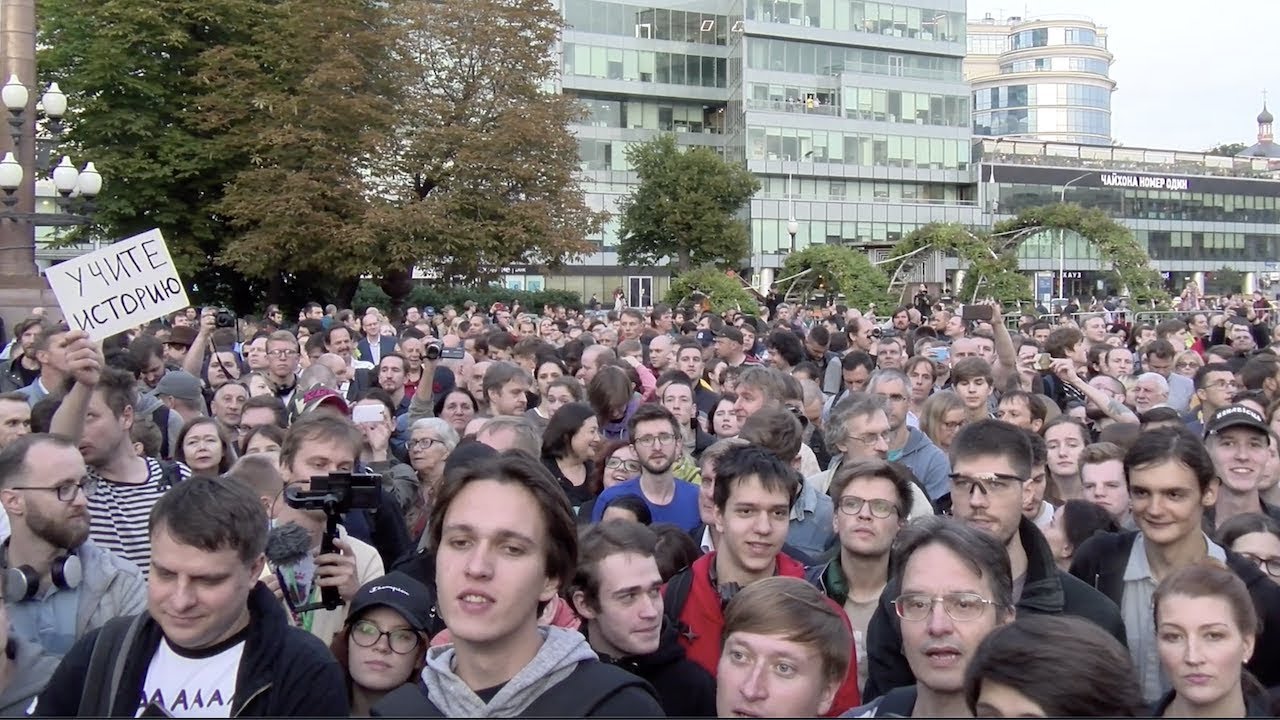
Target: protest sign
pixel 123 285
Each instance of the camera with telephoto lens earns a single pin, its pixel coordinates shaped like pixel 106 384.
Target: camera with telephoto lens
pixel 432 352
pixel 335 494
pixel 224 318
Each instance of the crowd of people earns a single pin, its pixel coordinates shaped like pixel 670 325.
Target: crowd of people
pixel 788 511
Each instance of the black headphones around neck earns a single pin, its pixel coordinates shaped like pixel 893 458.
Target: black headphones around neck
pixel 22 583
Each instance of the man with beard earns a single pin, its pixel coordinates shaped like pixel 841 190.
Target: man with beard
pixel 68 585
pixel 655 434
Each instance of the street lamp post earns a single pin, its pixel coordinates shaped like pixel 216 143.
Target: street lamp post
pixel 1062 240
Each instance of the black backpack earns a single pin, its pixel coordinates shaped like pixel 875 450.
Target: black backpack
pixel 579 695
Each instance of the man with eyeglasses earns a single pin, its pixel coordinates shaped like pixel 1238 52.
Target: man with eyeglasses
pixel 991 463
pixel 1239 441
pixel 907 445
pixel 282 363
pixel 873 501
pixel 1215 384
pixel 655 435
pixel 68 585
pixel 952 587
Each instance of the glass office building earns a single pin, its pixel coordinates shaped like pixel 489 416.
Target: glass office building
pixel 853 114
pixel 1193 213
pixel 1045 78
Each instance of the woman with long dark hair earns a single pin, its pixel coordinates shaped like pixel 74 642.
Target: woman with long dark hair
pixel 569 446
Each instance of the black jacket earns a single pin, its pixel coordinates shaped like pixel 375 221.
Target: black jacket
pixel 684 688
pixel 284 671
pixel 1101 561
pixel 1046 591
pixel 1257 703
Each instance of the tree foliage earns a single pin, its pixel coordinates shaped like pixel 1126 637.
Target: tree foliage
pixel 990 259
pixel 835 270
pixel 287 147
pixel 311 98
pixel 725 292
pixel 1227 149
pixel 684 208
pixel 130 71
pixel 481 171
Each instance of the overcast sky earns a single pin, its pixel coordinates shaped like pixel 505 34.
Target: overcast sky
pixel 1189 75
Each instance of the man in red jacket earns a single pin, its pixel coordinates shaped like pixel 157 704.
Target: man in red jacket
pixel 753 496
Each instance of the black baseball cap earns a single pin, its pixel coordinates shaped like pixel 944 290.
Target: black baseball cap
pixel 730 332
pixel 1236 416
pixel 400 592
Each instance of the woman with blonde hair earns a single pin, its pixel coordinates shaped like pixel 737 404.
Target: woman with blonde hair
pixel 941 417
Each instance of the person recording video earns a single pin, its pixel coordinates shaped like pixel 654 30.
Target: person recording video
pixel 310 449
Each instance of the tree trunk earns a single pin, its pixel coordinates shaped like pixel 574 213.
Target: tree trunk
pixel 397 283
pixel 683 259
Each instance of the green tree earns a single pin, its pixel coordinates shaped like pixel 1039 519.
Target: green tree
pixel 724 291
pixel 1224 281
pixel 1227 149
pixel 311 98
pixel 684 208
pixel 130 69
pixel 835 270
pixel 482 170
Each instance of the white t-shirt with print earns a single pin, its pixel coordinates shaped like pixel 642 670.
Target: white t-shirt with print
pixel 187 684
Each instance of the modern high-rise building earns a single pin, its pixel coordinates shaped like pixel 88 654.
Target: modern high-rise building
pixel 1046 78
pixel 854 115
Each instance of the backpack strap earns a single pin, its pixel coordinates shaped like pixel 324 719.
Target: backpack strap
pixel 587 687
pixel 674 598
pixel 110 653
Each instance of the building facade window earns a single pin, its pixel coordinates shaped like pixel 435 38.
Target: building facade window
pixel 819 59
pixel 646 66
pixel 607 18
pixel 891 19
pixel 847 148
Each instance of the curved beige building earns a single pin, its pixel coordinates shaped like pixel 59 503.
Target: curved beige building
pixel 1045 78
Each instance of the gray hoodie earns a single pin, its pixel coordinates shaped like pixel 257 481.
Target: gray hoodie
pixel 31 671
pixel 559 655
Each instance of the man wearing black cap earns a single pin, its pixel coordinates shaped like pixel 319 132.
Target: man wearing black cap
pixel 1239 441
pixel 729 345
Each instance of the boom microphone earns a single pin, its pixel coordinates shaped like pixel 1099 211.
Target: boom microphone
pixel 289 552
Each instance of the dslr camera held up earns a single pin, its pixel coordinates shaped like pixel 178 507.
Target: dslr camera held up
pixel 335 494
pixel 224 318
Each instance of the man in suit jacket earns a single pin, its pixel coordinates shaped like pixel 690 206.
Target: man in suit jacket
pixel 374 345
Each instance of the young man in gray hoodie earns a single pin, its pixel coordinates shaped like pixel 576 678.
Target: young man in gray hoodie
pixel 506 544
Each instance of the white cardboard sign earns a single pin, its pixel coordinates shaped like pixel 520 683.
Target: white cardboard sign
pixel 125 284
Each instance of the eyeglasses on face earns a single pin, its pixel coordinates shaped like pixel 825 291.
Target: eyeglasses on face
pixel 425 443
pixel 852 505
pixel 402 642
pixel 1270 566
pixel 989 483
pixel 66 492
pixel 872 439
pixel 649 440
pixel 961 607
pixel 631 466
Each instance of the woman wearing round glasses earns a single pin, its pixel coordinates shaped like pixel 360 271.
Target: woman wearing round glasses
pixel 384 642
pixel 430 442
pixel 1256 537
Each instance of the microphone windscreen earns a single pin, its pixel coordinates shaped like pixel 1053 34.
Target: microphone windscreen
pixel 288 544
